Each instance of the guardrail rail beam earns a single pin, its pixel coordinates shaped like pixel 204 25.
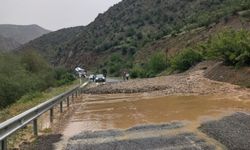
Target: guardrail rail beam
pixel 12 125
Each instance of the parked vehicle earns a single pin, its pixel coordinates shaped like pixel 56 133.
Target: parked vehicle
pixel 100 78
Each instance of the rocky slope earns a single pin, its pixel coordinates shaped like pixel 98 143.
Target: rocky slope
pixel 7 44
pixel 127 27
pixel 220 72
pixel 173 44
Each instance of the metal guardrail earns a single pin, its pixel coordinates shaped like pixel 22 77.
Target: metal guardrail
pixel 12 125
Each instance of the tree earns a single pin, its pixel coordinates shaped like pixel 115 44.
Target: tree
pixel 186 59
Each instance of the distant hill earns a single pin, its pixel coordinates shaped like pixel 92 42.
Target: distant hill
pixel 123 32
pixel 50 44
pixel 7 44
pixel 22 33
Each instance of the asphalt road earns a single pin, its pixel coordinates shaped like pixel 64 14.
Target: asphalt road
pixel 147 137
pixel 112 80
pixel 232 131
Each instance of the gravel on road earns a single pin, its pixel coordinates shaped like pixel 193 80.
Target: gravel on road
pixel 232 131
pixel 188 83
pixel 146 137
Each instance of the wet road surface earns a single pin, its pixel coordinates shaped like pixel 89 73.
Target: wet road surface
pixel 123 111
pixel 139 138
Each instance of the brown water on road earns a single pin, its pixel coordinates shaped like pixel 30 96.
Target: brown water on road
pixel 98 112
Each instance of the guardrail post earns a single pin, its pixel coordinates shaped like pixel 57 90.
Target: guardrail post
pixel 61 107
pixel 3 144
pixel 30 116
pixel 51 114
pixel 67 101
pixel 35 127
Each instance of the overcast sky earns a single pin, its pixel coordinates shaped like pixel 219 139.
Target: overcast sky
pixel 52 14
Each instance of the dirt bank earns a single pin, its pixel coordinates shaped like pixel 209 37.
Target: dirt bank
pixel 189 83
pixel 220 72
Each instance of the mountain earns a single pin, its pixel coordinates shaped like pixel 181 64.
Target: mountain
pixel 50 44
pixel 22 33
pixel 7 44
pixel 126 29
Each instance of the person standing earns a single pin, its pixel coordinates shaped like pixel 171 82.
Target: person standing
pixel 124 76
pixel 127 76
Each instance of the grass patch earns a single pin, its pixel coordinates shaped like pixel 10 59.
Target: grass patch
pixel 33 99
pixel 27 102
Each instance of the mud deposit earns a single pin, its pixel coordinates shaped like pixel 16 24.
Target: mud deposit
pixel 97 112
pixel 105 121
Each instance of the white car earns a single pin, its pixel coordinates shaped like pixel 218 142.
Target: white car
pixel 100 78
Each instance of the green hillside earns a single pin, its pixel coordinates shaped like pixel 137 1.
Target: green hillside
pixel 122 32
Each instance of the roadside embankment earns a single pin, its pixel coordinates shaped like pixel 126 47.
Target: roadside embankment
pixel 25 135
pixel 220 72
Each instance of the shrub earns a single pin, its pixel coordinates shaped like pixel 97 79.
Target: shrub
pixel 185 59
pixel 157 63
pixel 115 58
pixel 233 47
pixel 63 76
pixel 27 73
pixel 116 64
pixel 33 62
pixel 112 70
pixel 137 72
pixel 65 79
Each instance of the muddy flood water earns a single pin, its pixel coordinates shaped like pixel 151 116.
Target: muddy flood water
pixel 98 112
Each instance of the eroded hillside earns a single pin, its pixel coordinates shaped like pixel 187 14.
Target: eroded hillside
pixel 126 28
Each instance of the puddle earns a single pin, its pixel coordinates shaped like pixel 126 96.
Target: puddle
pixel 123 111
pixel 98 112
